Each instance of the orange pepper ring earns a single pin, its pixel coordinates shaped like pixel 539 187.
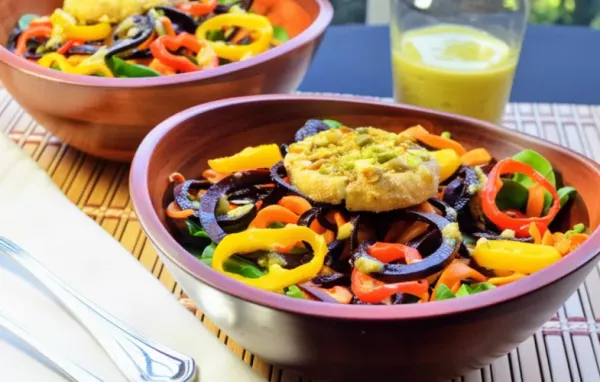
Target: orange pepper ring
pixel 198 8
pixel 161 50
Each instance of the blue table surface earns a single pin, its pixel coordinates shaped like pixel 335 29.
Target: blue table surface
pixel 558 64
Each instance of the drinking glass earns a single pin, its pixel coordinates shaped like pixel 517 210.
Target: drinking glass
pixel 457 56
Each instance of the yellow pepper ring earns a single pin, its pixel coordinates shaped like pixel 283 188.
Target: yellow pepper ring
pixel 263 156
pixel 266 239
pixel 76 59
pixel 449 162
pixel 258 23
pixel 514 256
pixel 49 59
pixel 95 68
pixel 65 25
pixel 98 67
pixel 87 32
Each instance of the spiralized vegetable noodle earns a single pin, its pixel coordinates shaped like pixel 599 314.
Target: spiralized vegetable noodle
pixel 150 38
pixel 366 216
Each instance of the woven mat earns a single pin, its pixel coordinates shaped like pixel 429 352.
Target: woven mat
pixel 567 348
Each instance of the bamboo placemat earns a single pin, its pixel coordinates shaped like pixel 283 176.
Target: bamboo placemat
pixel 567 348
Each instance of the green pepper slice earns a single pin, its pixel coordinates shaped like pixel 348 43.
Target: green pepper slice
pixel 121 68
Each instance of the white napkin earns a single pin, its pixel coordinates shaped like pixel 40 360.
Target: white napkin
pixel 36 215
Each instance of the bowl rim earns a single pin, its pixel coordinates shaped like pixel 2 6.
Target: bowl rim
pixel 169 247
pixel 318 27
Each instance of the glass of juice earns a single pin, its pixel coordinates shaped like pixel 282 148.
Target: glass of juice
pixel 457 56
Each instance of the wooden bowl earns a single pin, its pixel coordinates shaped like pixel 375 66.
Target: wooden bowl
pixel 109 117
pixel 419 342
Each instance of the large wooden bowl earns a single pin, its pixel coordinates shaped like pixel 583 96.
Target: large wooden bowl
pixel 420 342
pixel 109 117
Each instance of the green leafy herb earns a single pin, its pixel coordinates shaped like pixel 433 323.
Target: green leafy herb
pixel 539 164
pixel 333 124
pixel 565 194
pixel 276 225
pixel 280 34
pixel 577 228
pixel 121 68
pixel 236 264
pixel 447 135
pixel 481 287
pixel 463 291
pixel 195 229
pixel 215 35
pixel 294 292
pixel 25 20
pixel 207 254
pixel 512 195
pixel 468 239
pixel 444 293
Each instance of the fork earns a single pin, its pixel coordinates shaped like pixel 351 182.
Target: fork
pixel 71 370
pixel 137 357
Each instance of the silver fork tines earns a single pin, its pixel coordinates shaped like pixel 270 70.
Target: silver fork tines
pixel 138 358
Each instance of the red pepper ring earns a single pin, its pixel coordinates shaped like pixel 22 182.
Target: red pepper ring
pixel 161 50
pixel 29 33
pixel 370 290
pixel 198 8
pixel 40 22
pixel 515 213
pixel 387 252
pixel 492 187
pixel 64 49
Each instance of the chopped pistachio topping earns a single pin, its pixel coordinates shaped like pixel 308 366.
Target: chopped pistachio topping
pixel 368 265
pixel 351 151
pixel 452 232
pixel 508 234
pixel 387 156
pixel 482 177
pixel 345 231
pixel 239 211
pixel 363 140
pixel 222 206
pixel 366 167
pixel 271 258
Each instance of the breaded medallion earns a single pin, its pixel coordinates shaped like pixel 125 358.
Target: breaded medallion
pixel 368 168
pixel 111 11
